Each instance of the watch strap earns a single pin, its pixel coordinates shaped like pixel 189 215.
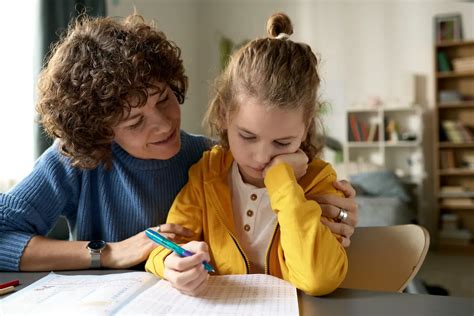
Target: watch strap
pixel 95 258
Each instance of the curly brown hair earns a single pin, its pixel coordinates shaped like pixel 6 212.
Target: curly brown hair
pixel 98 71
pixel 278 73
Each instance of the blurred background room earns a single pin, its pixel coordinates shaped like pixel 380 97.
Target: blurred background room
pixel 397 99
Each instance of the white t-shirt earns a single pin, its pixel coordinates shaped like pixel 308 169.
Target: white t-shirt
pixel 254 219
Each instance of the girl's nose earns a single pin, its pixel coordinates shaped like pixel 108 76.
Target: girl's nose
pixel 263 156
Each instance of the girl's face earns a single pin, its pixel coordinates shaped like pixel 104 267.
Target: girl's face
pixel 152 131
pixel 257 134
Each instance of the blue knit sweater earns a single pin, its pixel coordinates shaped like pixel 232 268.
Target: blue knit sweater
pixel 111 205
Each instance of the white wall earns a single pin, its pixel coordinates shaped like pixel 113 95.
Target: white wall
pixel 16 92
pixel 367 48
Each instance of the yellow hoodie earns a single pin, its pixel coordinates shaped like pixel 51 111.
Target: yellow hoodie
pixel 303 251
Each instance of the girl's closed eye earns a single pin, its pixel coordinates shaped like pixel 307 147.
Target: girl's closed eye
pixel 281 144
pixel 247 137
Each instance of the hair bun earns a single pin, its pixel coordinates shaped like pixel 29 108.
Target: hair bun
pixel 279 23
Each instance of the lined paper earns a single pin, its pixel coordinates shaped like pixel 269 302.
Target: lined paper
pixel 141 293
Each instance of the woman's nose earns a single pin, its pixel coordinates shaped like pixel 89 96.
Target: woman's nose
pixel 160 121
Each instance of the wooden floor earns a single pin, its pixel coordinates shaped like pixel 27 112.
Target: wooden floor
pixel 454 272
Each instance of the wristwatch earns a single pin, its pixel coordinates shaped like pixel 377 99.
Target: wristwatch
pixel 95 249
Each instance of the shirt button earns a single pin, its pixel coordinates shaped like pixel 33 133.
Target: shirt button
pixel 249 213
pixel 247 228
pixel 253 197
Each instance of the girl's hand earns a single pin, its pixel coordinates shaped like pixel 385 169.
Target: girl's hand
pixel 187 274
pixel 297 160
pixel 136 249
pixel 331 205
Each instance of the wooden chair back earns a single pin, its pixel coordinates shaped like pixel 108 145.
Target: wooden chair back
pixel 385 258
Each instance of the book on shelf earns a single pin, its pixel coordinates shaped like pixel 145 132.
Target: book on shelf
pixel 447 160
pixel 455 237
pixel 467 160
pixel 464 194
pixel 449 222
pixel 364 131
pixel 456 132
pixel 443 62
pixel 449 96
pixel 457 201
pixel 373 132
pixel 354 128
pixel 463 64
pixel 465 132
pixel 452 189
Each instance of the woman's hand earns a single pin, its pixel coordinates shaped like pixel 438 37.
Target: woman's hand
pixel 298 161
pixel 331 206
pixel 136 249
pixel 187 274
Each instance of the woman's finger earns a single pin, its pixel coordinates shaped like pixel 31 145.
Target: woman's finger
pixel 175 229
pixel 346 188
pixel 331 211
pixel 348 204
pixel 339 228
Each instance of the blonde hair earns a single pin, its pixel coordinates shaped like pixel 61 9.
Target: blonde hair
pixel 278 72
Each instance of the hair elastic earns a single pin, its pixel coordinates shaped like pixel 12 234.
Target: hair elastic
pixel 282 36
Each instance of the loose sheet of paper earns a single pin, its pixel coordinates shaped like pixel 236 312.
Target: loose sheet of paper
pixel 58 294
pixel 253 294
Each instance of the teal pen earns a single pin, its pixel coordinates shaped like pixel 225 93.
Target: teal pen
pixel 160 240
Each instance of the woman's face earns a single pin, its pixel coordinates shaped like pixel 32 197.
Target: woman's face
pixel 153 130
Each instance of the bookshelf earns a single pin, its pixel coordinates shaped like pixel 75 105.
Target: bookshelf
pixel 390 137
pixel 454 145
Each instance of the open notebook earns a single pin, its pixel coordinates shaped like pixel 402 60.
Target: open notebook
pixel 141 293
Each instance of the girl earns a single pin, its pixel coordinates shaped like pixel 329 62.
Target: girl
pixel 246 197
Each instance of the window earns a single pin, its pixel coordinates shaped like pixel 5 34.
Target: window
pixel 17 27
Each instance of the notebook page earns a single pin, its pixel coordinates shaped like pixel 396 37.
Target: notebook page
pixel 253 294
pixel 57 294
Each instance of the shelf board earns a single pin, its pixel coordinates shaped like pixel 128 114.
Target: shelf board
pixel 454 44
pixel 363 144
pixel 386 144
pixel 364 110
pixel 402 144
pixel 412 108
pixel 456 145
pixel 457 249
pixel 456 172
pixel 456 105
pixel 454 74
pixel 456 195
pixel 455 208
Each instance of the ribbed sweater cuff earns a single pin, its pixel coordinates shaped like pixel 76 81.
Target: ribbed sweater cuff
pixel 12 246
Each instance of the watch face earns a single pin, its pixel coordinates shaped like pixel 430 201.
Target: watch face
pixel 96 244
